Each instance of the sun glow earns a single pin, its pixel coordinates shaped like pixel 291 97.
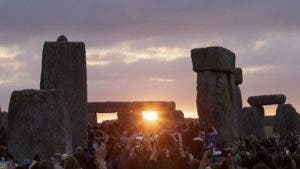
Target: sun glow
pixel 106 116
pixel 150 115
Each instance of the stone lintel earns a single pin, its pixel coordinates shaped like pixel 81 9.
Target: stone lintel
pixel 238 76
pixel 266 99
pixel 212 58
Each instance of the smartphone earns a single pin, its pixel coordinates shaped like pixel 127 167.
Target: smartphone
pixel 217 153
pixel 216 156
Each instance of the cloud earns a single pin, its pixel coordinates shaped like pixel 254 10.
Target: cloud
pixel 128 53
pixel 118 20
pixel 10 67
pixel 5 81
pixel 256 69
pixel 9 52
pixel 163 80
pixel 13 78
pixel 259 44
pixel 98 63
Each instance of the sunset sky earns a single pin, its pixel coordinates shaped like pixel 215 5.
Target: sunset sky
pixel 140 50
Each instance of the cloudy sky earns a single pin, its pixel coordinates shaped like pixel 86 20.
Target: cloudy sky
pixel 140 50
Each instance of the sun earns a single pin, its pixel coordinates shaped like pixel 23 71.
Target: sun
pixel 150 115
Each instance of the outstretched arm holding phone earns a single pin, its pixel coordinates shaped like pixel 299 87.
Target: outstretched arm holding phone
pixel 206 160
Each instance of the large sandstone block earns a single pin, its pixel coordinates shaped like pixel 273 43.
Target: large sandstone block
pixel 216 89
pixel 267 99
pixel 286 120
pixel 3 119
pixel 238 76
pixel 212 58
pixel 38 124
pixel 110 107
pixel 3 125
pixel 64 67
pixel 238 106
pixel 92 119
pixel 158 105
pixel 252 121
pixel 215 103
pixel 178 116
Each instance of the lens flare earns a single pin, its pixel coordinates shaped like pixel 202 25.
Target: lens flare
pixel 150 115
pixel 106 116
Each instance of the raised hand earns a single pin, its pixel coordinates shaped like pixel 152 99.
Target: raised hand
pixel 206 159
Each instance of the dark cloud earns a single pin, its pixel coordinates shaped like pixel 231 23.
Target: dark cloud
pixel 119 20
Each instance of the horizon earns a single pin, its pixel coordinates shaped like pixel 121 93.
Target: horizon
pixel 141 51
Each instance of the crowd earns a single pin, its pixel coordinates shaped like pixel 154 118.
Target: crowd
pixel 181 147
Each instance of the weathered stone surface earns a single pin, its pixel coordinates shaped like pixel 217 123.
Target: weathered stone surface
pixel 62 38
pixel 252 121
pixel 212 59
pixel 37 124
pixel 92 119
pixel 178 115
pixel 267 99
pixel 269 120
pixel 238 76
pixel 238 106
pixel 64 67
pixel 3 119
pixel 286 120
pixel 128 117
pixel 3 125
pixel 109 107
pixel 238 79
pixel 215 89
pixel 215 102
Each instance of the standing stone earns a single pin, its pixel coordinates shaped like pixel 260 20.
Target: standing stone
pixel 92 119
pixel 37 124
pixel 238 107
pixel 64 67
pixel 238 76
pixel 3 128
pixel 215 89
pixel 252 121
pixel 3 120
pixel 238 79
pixel 178 116
pixel 286 120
